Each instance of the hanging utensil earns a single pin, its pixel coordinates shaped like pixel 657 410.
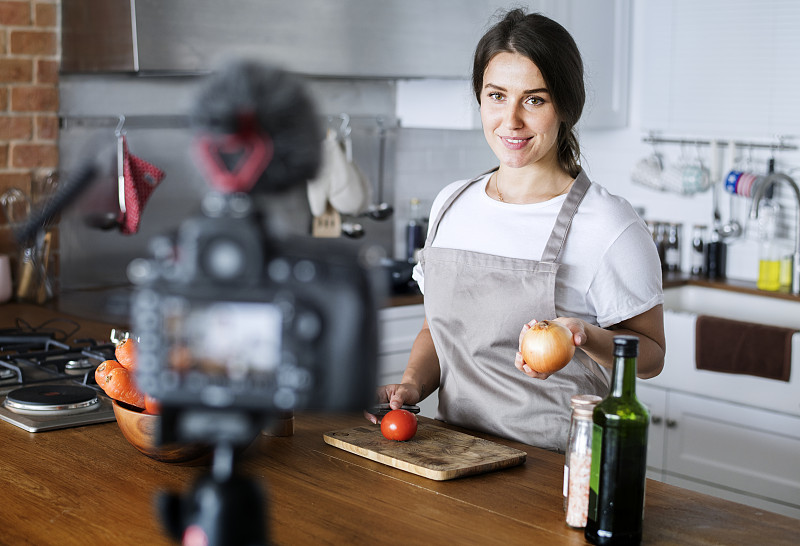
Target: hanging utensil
pixel 105 197
pixel 352 230
pixel 120 134
pixel 348 191
pixel 715 182
pixel 732 229
pixel 43 186
pixel 16 207
pixel 380 210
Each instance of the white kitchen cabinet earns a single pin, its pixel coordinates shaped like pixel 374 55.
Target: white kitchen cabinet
pixel 743 450
pixel 602 31
pixel 398 328
pixel 656 402
pixel 726 449
pixel 730 435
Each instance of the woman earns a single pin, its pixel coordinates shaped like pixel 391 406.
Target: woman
pixel 531 240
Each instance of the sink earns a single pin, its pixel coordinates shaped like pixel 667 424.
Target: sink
pixel 683 304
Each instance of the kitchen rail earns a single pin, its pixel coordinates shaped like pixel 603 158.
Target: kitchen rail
pixel 87 485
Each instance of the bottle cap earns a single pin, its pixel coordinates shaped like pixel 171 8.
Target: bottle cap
pixel 627 346
pixel 584 400
pixel 583 404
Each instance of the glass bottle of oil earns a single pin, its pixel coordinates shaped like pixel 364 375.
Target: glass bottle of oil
pixel 619 456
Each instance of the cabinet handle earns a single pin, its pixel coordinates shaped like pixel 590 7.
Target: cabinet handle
pixel 672 423
pixel 656 419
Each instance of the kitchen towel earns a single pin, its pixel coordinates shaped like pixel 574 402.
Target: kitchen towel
pixel 141 178
pixel 732 346
pixel 339 182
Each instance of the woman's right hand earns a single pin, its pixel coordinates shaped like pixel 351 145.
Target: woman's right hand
pixel 396 395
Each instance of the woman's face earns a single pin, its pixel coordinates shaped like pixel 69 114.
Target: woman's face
pixel 518 115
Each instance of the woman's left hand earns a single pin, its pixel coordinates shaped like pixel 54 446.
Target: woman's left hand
pixel 578 338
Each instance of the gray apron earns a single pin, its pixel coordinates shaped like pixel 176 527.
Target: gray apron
pixel 476 305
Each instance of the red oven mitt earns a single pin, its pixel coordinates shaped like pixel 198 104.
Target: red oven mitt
pixel 141 178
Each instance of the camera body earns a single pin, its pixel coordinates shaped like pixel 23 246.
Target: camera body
pixel 237 326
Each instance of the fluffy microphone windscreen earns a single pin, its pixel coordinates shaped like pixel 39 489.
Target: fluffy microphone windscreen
pixel 244 93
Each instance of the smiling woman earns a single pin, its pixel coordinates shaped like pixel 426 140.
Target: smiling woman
pixel 531 240
pixel 520 123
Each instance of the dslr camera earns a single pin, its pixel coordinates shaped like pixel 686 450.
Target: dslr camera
pixel 238 322
pixel 237 327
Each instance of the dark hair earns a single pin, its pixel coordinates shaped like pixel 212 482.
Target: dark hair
pixel 554 52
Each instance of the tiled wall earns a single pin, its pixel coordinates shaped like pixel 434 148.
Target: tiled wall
pixel 29 64
pixel 426 161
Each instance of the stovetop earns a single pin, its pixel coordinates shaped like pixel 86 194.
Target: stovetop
pixel 50 356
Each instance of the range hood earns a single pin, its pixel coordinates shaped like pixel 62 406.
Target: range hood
pixel 341 38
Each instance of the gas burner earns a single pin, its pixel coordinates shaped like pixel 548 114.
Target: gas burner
pixel 52 400
pixel 78 366
pixel 6 374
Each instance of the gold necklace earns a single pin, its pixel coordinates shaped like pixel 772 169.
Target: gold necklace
pixel 500 195
pixel 497 188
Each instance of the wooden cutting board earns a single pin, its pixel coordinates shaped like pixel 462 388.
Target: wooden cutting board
pixel 434 452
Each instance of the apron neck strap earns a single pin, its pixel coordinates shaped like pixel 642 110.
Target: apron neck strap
pixel 564 220
pixel 449 201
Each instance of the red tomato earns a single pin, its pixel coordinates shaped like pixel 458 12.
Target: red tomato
pixel 399 424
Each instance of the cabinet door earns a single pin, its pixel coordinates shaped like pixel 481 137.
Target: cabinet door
pixel 398 327
pixel 656 401
pixel 737 448
pixel 602 31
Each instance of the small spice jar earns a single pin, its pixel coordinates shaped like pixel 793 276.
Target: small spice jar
pixel 672 247
pixel 577 467
pixel 698 249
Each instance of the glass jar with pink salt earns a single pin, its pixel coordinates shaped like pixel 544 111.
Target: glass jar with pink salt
pixel 578 462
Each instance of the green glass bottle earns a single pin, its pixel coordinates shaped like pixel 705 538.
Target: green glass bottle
pixel 619 455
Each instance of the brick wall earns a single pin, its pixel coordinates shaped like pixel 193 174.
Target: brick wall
pixel 30 49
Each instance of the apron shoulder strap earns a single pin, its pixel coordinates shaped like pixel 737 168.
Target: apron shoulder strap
pixel 435 227
pixel 564 220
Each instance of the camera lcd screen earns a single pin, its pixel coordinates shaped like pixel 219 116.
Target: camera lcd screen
pixel 223 342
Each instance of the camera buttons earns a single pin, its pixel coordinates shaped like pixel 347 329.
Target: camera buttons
pixel 279 270
pixel 308 325
pixel 305 271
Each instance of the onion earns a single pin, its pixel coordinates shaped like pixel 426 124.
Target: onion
pixel 547 346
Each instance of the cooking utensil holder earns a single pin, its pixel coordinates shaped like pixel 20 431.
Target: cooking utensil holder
pixel 34 276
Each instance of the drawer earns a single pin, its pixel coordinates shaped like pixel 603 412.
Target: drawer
pixel 398 327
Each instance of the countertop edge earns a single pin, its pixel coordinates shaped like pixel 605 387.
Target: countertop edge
pixel 676 280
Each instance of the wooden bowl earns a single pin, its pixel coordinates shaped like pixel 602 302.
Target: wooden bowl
pixel 140 428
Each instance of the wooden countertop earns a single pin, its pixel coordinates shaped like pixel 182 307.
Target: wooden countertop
pixel 87 485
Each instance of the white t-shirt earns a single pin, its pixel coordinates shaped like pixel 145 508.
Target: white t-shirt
pixel 610 270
